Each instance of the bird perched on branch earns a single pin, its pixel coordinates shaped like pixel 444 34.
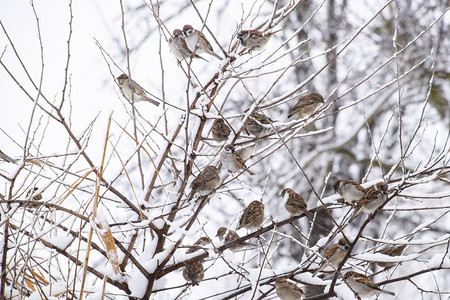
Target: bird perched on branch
pixel 220 130
pixel 254 39
pixel 306 105
pixel 227 236
pixel 258 125
pixel 334 255
pixel 246 152
pixel 363 286
pixel 395 250
pixel 295 204
pixel 206 181
pixel 201 242
pixel 232 160
pixel 32 191
pixel 179 47
pixel 372 199
pixel 287 290
pixel 133 91
pixel 253 216
pixel 349 190
pixel 197 42
pixel 194 272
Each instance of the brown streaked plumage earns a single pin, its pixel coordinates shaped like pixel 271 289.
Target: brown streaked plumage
pixel 334 255
pixel 232 160
pixel 133 91
pixel 258 125
pixel 227 236
pixel 396 250
pixel 295 204
pixel 287 290
pixel 254 39
pixel 350 190
pixel 363 286
pixel 197 42
pixel 253 215
pixel 306 105
pixel 220 130
pixel 31 192
pixel 206 181
pixel 373 198
pixel 179 47
pixel 194 272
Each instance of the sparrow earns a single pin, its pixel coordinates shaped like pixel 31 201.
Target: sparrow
pixel 227 236
pixel 203 241
pixel 295 204
pixel 306 105
pixel 258 125
pixel 179 47
pixel 254 39
pixel 246 152
pixel 31 192
pixel 197 42
pixel 363 286
pixel 334 255
pixel 206 181
pixel 253 216
pixel 373 198
pixel 220 130
pixel 194 272
pixel 349 190
pixel 287 290
pixel 7 158
pixel 133 91
pixel 232 160
pixel 391 251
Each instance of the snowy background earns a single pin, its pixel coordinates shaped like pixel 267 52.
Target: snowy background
pixel 382 68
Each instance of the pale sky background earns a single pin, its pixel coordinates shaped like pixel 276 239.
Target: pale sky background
pixel 92 89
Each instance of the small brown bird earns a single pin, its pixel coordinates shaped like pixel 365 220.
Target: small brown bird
pixel 254 39
pixel 232 160
pixel 287 290
pixel 349 190
pixel 246 152
pixel 253 216
pixel 306 105
pixel 179 47
pixel 206 181
pixel 334 255
pixel 220 130
pixel 372 199
pixel 363 286
pixel 197 41
pixel 201 242
pixel 31 192
pixel 133 91
pixel 295 204
pixel 258 125
pixel 391 251
pixel 194 272
pixel 227 236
